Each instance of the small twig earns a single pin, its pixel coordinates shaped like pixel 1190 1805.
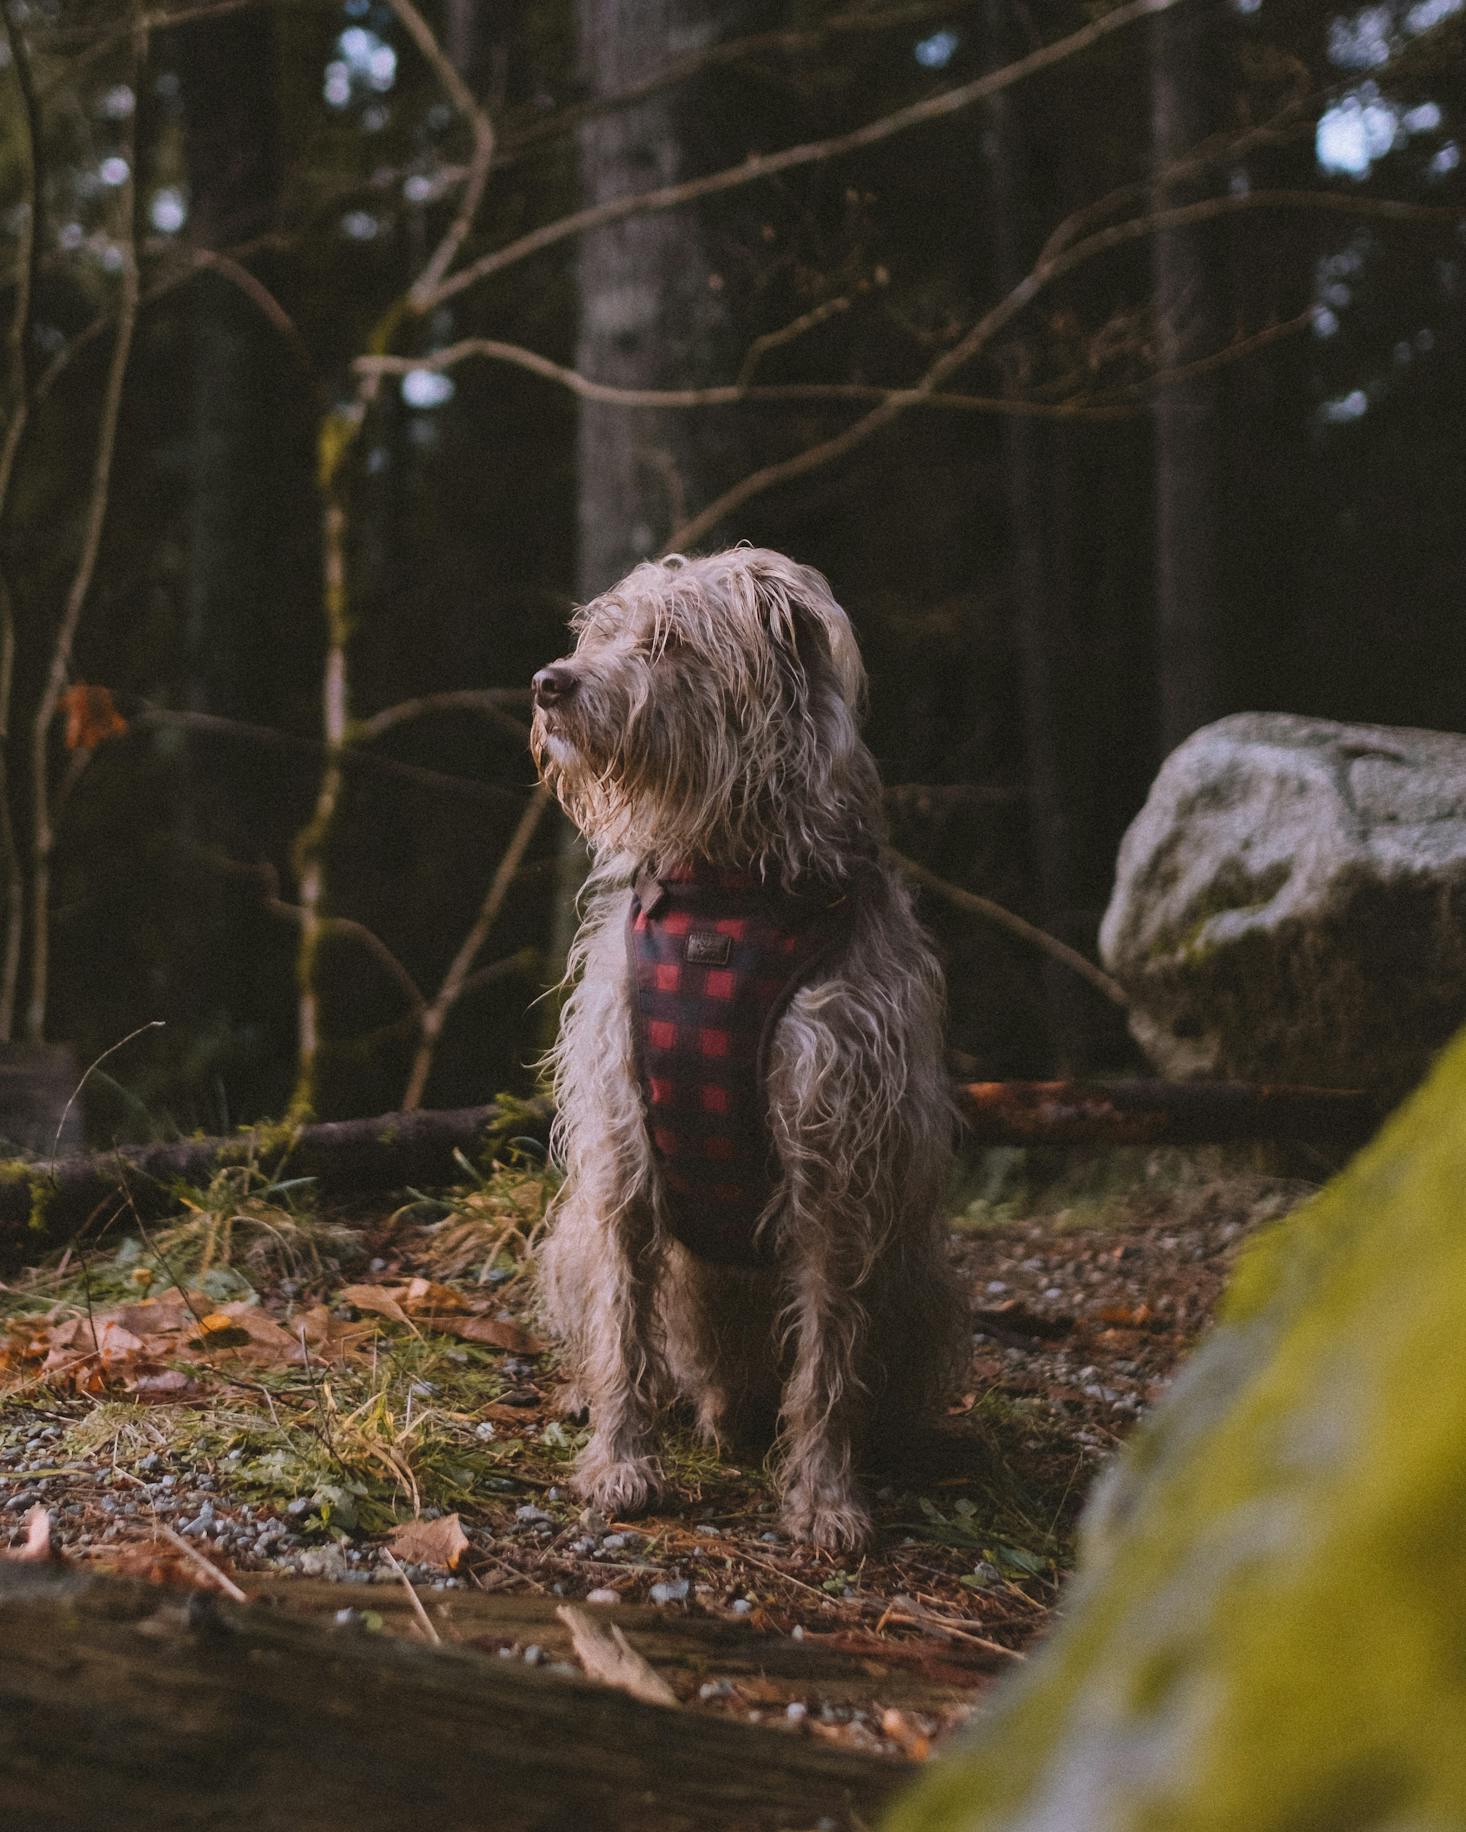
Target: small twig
pixel 202 1564
pixel 425 1621
pixel 1014 925
pixel 435 1015
pixel 152 1024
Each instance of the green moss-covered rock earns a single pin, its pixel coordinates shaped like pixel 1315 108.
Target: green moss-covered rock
pixel 1269 1633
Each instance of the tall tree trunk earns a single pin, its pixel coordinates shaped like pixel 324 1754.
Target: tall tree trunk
pixel 1041 463
pixel 242 503
pixel 654 311
pixel 1189 68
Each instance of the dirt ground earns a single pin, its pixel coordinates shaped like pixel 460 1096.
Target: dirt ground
pixel 364 1399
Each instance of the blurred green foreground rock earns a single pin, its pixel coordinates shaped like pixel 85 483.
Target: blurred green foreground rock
pixel 1269 1629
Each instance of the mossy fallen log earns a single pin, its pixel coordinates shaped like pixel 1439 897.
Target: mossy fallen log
pixel 1268 1627
pixel 134 1708
pixel 46 1202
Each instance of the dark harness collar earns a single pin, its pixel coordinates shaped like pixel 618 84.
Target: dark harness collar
pixel 715 958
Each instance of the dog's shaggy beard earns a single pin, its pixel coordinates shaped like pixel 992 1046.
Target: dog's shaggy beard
pixel 714 717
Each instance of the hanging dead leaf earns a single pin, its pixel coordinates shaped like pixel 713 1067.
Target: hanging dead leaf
pixel 91 716
pixel 439 1542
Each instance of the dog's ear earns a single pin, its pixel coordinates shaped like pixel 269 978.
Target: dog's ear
pixel 812 625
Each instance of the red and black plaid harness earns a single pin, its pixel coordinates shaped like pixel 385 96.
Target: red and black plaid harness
pixel 715 957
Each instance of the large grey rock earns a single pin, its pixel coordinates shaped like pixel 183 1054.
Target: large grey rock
pixel 1290 903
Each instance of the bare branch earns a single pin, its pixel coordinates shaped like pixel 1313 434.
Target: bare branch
pixel 265 873
pixel 788 333
pixel 731 394
pixel 492 702
pixel 456 978
pixel 354 756
pixel 759 166
pixel 790 41
pixel 481 159
pixel 999 316
pixel 42 835
pixel 1013 925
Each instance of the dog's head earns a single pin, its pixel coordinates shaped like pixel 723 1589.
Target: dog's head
pixel 709 710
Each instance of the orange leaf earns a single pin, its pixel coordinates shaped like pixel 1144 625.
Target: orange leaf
pixel 430 1542
pixel 91 716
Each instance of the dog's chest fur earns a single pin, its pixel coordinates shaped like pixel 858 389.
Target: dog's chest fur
pixel 714 959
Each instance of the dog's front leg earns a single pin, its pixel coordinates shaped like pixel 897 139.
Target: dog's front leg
pixel 824 1403
pixel 621 1370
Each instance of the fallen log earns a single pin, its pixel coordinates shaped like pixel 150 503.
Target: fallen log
pixel 126 1706
pixel 46 1201
pixel 1164 1113
pixel 43 1202
pixel 849 1667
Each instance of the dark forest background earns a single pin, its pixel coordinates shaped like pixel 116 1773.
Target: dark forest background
pixel 330 360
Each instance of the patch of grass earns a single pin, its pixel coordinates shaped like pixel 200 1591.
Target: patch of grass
pixel 489 1229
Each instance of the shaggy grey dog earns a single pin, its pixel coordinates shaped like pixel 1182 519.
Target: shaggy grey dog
pixel 706 728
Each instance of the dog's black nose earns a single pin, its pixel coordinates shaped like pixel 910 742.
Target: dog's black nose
pixel 553 684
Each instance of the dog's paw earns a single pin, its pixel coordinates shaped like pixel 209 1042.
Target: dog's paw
pixel 829 1523
pixel 571 1403
pixel 620 1490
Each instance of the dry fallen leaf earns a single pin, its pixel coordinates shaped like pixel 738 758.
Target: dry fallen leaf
pixel 439 1542
pixel 425 1303
pixel 607 1656
pixel 497 1332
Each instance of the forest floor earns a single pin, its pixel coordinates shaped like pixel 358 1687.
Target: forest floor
pixel 363 1398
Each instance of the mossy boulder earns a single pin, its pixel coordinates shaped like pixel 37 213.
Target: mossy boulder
pixel 1269 1630
pixel 1290 903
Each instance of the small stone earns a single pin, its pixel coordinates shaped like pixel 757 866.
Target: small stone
pixel 531 1514
pixel 741 1606
pixel 552 1494
pixel 772 1539
pixel 377 1265
pixel 614 1542
pixel 298 1508
pixel 484 1431
pixel 796 1711
pixel 714 1688
pixel 797 1632
pixel 674 1591
pixel 17 1504
pixel 533 1654
pixel 603 1594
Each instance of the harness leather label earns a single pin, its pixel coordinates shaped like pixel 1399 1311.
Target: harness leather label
pixel 714 959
